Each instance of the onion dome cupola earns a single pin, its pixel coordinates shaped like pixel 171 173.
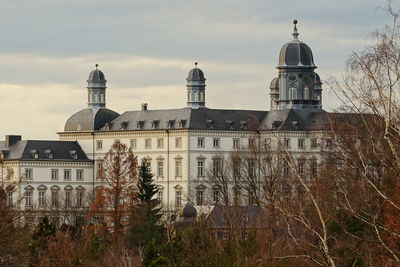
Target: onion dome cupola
pixel 96 89
pixel 297 85
pixel 196 85
pixel 96 115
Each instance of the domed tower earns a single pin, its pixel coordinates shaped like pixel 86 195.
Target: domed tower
pixel 297 85
pixel 96 115
pixel 196 85
pixel 96 89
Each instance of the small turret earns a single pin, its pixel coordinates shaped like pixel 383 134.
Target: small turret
pixel 196 85
pixel 96 89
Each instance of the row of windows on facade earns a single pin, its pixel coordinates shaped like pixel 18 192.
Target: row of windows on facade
pixel 216 143
pixel 237 168
pixel 55 174
pixel 69 201
pixel 140 124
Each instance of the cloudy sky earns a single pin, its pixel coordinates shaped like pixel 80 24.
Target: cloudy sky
pixel 146 47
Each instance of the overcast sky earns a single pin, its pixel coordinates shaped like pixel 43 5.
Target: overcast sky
pixel 146 48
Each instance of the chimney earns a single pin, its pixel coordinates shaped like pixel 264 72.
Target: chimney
pixel 144 106
pixel 12 139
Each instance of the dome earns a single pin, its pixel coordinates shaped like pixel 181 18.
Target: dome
pixel 189 211
pixel 274 83
pixel 89 119
pixel 96 76
pixel 196 74
pixel 296 53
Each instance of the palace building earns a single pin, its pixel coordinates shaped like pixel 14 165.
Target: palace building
pixel 180 144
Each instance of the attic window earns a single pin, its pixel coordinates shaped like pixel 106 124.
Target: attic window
pixel 108 126
pixel 243 124
pixel 276 124
pixel 48 153
pixel 295 124
pixel 124 125
pixel 34 153
pixel 210 123
pixel 73 154
pixel 155 123
pixel 140 124
pixel 171 123
pixel 230 124
pixel 182 123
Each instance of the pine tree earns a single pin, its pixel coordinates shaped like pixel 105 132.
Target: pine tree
pixel 144 220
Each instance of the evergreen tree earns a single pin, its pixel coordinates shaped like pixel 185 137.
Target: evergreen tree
pixel 144 220
pixel 43 232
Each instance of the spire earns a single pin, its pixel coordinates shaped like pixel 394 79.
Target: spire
pixel 295 33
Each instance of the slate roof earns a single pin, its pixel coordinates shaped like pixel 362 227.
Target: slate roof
pixel 89 119
pixel 96 76
pixel 60 150
pixel 185 118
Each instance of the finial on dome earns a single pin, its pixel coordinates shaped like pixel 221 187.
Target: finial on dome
pixel 295 33
pixel 96 66
pixel 195 64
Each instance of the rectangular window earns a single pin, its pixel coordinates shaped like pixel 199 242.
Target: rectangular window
pixel 67 175
pixel 216 167
pixel 148 165
pixel 178 198
pixel 251 142
pixel 285 169
pixel 314 143
pixel 42 198
pixel 300 143
pixel 200 142
pixel 79 175
pixel 160 142
pixel 99 167
pixel 133 143
pixel 79 199
pixel 160 168
pixel 147 143
pixel 300 167
pixel 28 174
pixel 200 168
pixel 67 199
pixel 54 198
pixel 236 142
pixel 54 174
pixel 10 200
pixel 328 143
pixel 252 169
pixel 28 198
pixel 286 143
pixel 215 196
pixel 314 168
pixel 160 197
pixel 178 168
pixel 99 144
pixel 216 142
pixel 199 197
pixel 178 142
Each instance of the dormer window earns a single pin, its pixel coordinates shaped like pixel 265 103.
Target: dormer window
pixel 295 124
pixel 210 123
pixel 34 153
pixel 73 154
pixel 155 123
pixel 243 124
pixel 124 125
pixel 182 123
pixel 171 123
pixel 276 124
pixel 108 126
pixel 140 124
pixel 48 153
pixel 230 124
